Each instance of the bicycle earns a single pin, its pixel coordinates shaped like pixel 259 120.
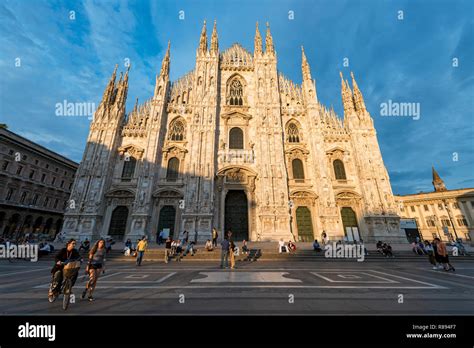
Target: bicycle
pixel 70 270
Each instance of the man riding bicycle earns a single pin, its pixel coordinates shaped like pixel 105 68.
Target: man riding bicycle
pixel 62 258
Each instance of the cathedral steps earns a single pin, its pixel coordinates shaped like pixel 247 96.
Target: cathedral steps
pixel 157 254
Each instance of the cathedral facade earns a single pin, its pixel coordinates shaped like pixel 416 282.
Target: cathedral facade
pixel 233 144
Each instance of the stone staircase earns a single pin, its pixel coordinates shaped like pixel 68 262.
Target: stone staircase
pixel 268 251
pixel 157 255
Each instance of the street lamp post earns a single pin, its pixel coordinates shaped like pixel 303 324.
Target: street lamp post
pixel 449 216
pixel 435 221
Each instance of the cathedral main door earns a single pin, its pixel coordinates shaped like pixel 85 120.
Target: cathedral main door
pixel 167 219
pixel 236 215
pixel 118 222
pixel 304 224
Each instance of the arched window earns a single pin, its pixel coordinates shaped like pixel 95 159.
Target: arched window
pixel 298 171
pixel 339 170
pixel 293 133
pixel 177 131
pixel 236 93
pixel 173 169
pixel 129 165
pixel 236 138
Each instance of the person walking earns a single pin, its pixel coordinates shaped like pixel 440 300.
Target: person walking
pixel 141 248
pixel 430 252
pixel 225 253
pixel 94 267
pixel 168 249
pixel 443 253
pixel 437 256
pixel 231 254
pixel 214 237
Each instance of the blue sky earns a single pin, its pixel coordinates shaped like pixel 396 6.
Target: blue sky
pixel 409 60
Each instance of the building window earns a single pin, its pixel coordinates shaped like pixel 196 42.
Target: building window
pixel 11 152
pixel 293 133
pixel 32 174
pixel 43 177
pixel 434 235
pixel 430 223
pixel 128 168
pixel 173 169
pixel 445 222
pixel 298 171
pixel 426 207
pixel 23 197
pixel 412 208
pixel 62 183
pixel 36 162
pixel 35 199
pixel 53 181
pixel 9 194
pixel 46 201
pixel 339 170
pixel 47 166
pixel 440 206
pixel 56 170
pixel 455 205
pixel 18 170
pixel 56 203
pixel 462 222
pixel 5 165
pixel 177 131
pixel 236 93
pixel 24 157
pixel 402 208
pixel 236 138
pixel 70 186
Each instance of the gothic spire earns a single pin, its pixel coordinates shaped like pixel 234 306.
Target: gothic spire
pixel 165 64
pixel 214 41
pixel 122 88
pixel 203 40
pixel 346 94
pixel 305 66
pixel 438 183
pixel 269 41
pixel 358 98
pixel 135 108
pixel 109 89
pixel 257 41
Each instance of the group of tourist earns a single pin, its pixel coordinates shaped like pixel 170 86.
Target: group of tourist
pixel 437 254
pixel 286 248
pixel 384 248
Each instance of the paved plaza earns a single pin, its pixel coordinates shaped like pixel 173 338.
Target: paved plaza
pixel 326 287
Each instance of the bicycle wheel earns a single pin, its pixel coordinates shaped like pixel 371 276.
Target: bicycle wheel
pixel 66 301
pixel 67 294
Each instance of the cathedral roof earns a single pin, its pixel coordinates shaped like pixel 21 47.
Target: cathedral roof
pixel 137 120
pixel 183 84
pixel 236 57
